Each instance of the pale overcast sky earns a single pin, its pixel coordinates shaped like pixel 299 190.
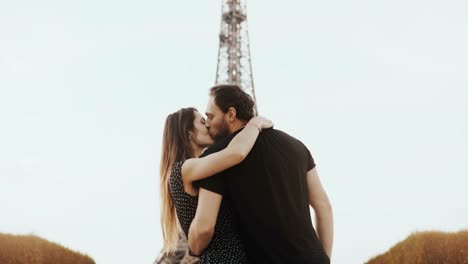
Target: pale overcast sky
pixel 378 90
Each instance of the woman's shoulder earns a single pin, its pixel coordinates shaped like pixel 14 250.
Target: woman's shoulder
pixel 178 165
pixel 176 171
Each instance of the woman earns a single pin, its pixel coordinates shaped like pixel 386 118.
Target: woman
pixel 184 139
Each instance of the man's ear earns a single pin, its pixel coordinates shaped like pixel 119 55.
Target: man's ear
pixel 231 114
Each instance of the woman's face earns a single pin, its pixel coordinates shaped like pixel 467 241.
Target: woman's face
pixel 200 134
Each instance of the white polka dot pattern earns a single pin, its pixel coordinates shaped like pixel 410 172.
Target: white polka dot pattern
pixel 225 246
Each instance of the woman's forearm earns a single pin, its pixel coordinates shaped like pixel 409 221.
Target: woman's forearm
pixel 198 168
pixel 243 142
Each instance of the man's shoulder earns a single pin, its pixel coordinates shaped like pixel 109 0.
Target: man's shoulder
pixel 278 134
pixel 280 137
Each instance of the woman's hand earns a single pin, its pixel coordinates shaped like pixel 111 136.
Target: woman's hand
pixel 261 122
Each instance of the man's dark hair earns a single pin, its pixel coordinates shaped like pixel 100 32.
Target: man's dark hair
pixel 231 95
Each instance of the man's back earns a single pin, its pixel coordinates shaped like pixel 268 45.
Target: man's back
pixel 268 191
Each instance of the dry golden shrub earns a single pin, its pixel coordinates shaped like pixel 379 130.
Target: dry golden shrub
pixel 30 249
pixel 430 247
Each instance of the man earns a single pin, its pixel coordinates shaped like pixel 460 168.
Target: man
pixel 270 191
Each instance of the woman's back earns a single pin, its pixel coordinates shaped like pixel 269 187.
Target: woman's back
pixel 226 245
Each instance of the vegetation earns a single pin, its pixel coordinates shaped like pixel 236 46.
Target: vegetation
pixel 30 249
pixel 428 248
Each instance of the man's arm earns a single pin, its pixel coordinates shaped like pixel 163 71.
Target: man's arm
pixel 203 225
pixel 318 199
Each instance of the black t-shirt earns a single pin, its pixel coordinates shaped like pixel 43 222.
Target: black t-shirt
pixel 268 191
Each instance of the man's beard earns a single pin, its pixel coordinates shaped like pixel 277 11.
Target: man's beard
pixel 223 131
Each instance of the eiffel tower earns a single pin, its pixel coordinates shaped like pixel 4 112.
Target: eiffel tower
pixel 234 64
pixel 234 67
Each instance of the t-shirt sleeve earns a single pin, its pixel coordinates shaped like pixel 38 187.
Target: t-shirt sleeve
pixel 216 183
pixel 310 161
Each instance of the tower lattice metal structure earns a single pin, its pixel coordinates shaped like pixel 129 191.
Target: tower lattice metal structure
pixel 234 64
pixel 234 67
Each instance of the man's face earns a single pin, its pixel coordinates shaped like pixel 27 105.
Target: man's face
pixel 216 121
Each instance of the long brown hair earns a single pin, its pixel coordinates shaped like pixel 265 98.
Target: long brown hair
pixel 175 147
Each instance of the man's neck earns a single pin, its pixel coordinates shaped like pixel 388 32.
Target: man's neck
pixel 237 125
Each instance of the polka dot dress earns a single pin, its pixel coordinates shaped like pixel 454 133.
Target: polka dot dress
pixel 225 246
